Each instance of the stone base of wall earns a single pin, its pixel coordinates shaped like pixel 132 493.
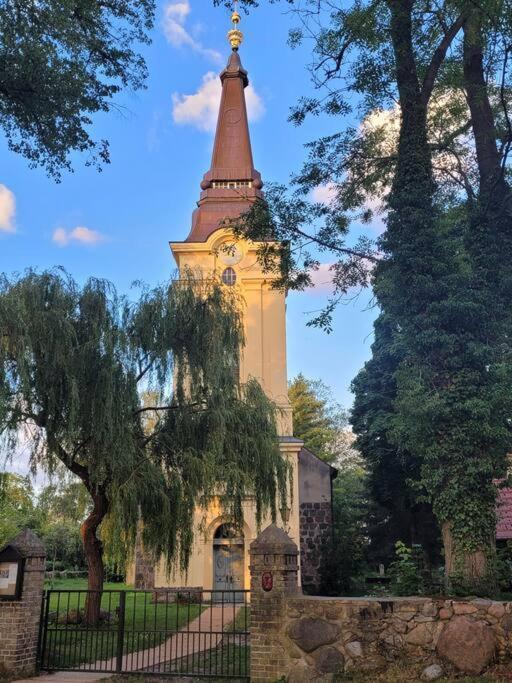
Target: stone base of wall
pixel 326 636
pixel 185 595
pixel 315 537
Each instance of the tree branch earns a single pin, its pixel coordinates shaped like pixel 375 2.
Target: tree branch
pixel 438 58
pixel 163 408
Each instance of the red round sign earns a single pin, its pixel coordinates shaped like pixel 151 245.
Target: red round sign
pixel 267 581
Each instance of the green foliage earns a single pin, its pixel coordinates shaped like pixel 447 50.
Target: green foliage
pixel 61 62
pixel 405 571
pixel 64 501
pixel 435 405
pixel 17 508
pixel 75 363
pixel 63 544
pixel 397 506
pixel 317 419
pixel 504 566
pixel 346 559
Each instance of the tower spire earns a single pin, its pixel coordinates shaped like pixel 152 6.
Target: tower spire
pixel 232 184
pixel 235 36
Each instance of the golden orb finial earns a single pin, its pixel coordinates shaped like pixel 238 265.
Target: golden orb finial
pixel 235 36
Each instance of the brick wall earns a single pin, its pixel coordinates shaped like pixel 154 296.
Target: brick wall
pixel 19 620
pixel 315 539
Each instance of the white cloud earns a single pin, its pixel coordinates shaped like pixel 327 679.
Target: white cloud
pixel 202 108
pixel 324 194
pixel 174 25
pixel 7 209
pixel 79 234
pixel 321 278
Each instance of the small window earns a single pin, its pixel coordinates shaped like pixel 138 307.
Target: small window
pixel 229 277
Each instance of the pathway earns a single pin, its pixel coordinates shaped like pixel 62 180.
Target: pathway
pixel 202 634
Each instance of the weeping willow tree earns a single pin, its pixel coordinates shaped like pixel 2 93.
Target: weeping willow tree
pixel 142 402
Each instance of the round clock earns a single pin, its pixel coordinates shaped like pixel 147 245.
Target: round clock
pixel 230 254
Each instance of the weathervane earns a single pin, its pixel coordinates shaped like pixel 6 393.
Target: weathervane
pixel 235 36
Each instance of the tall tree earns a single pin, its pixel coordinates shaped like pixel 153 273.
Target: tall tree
pixel 394 512
pixel 317 419
pixel 73 361
pixel 17 506
pixel 62 62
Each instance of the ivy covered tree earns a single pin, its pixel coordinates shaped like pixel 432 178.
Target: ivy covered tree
pixel 75 362
pixel 398 507
pixel 61 63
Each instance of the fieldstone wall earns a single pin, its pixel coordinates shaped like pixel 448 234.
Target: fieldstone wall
pixel 324 636
pixel 19 620
pixel 315 537
pixel 303 638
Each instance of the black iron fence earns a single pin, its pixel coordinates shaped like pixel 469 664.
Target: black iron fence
pixel 183 633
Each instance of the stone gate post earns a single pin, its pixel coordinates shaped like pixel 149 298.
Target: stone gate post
pixel 20 616
pixel 273 578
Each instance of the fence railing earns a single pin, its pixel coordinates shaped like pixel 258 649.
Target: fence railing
pixel 189 633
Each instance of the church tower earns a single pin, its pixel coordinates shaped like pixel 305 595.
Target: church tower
pixel 228 189
pixel 220 555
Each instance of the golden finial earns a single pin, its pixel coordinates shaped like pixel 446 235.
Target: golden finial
pixel 235 36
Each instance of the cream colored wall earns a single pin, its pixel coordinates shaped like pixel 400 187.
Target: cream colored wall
pixel 200 571
pixel 264 355
pixel 264 358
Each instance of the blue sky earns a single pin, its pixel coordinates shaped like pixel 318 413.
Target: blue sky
pixel 117 224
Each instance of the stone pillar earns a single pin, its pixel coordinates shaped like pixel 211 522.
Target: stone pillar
pixel 20 619
pixel 273 578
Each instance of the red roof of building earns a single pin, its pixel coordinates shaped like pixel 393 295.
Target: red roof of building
pixel 504 511
pixel 232 184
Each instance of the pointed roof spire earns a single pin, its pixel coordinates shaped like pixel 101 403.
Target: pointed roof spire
pixel 235 36
pixel 232 183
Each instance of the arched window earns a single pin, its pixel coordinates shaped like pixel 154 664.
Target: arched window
pixel 229 277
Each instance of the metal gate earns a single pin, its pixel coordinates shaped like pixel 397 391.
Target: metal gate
pixel 193 633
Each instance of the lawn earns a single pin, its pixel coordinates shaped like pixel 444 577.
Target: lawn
pixel 146 624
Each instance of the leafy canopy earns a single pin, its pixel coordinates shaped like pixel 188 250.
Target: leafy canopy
pixel 317 419
pixel 61 61
pixel 77 364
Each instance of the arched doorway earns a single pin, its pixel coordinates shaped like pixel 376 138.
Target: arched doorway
pixel 228 558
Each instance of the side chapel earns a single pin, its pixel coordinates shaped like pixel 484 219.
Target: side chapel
pixel 220 557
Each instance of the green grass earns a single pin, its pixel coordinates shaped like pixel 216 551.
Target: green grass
pixel 227 659
pixel 242 621
pixel 146 625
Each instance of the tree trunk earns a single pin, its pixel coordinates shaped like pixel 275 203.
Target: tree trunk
pixel 94 555
pixel 472 569
pixel 492 181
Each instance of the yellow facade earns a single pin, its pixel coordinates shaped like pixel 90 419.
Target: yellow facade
pixel 228 189
pixel 264 358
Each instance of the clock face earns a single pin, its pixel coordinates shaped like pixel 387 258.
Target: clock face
pixel 230 254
